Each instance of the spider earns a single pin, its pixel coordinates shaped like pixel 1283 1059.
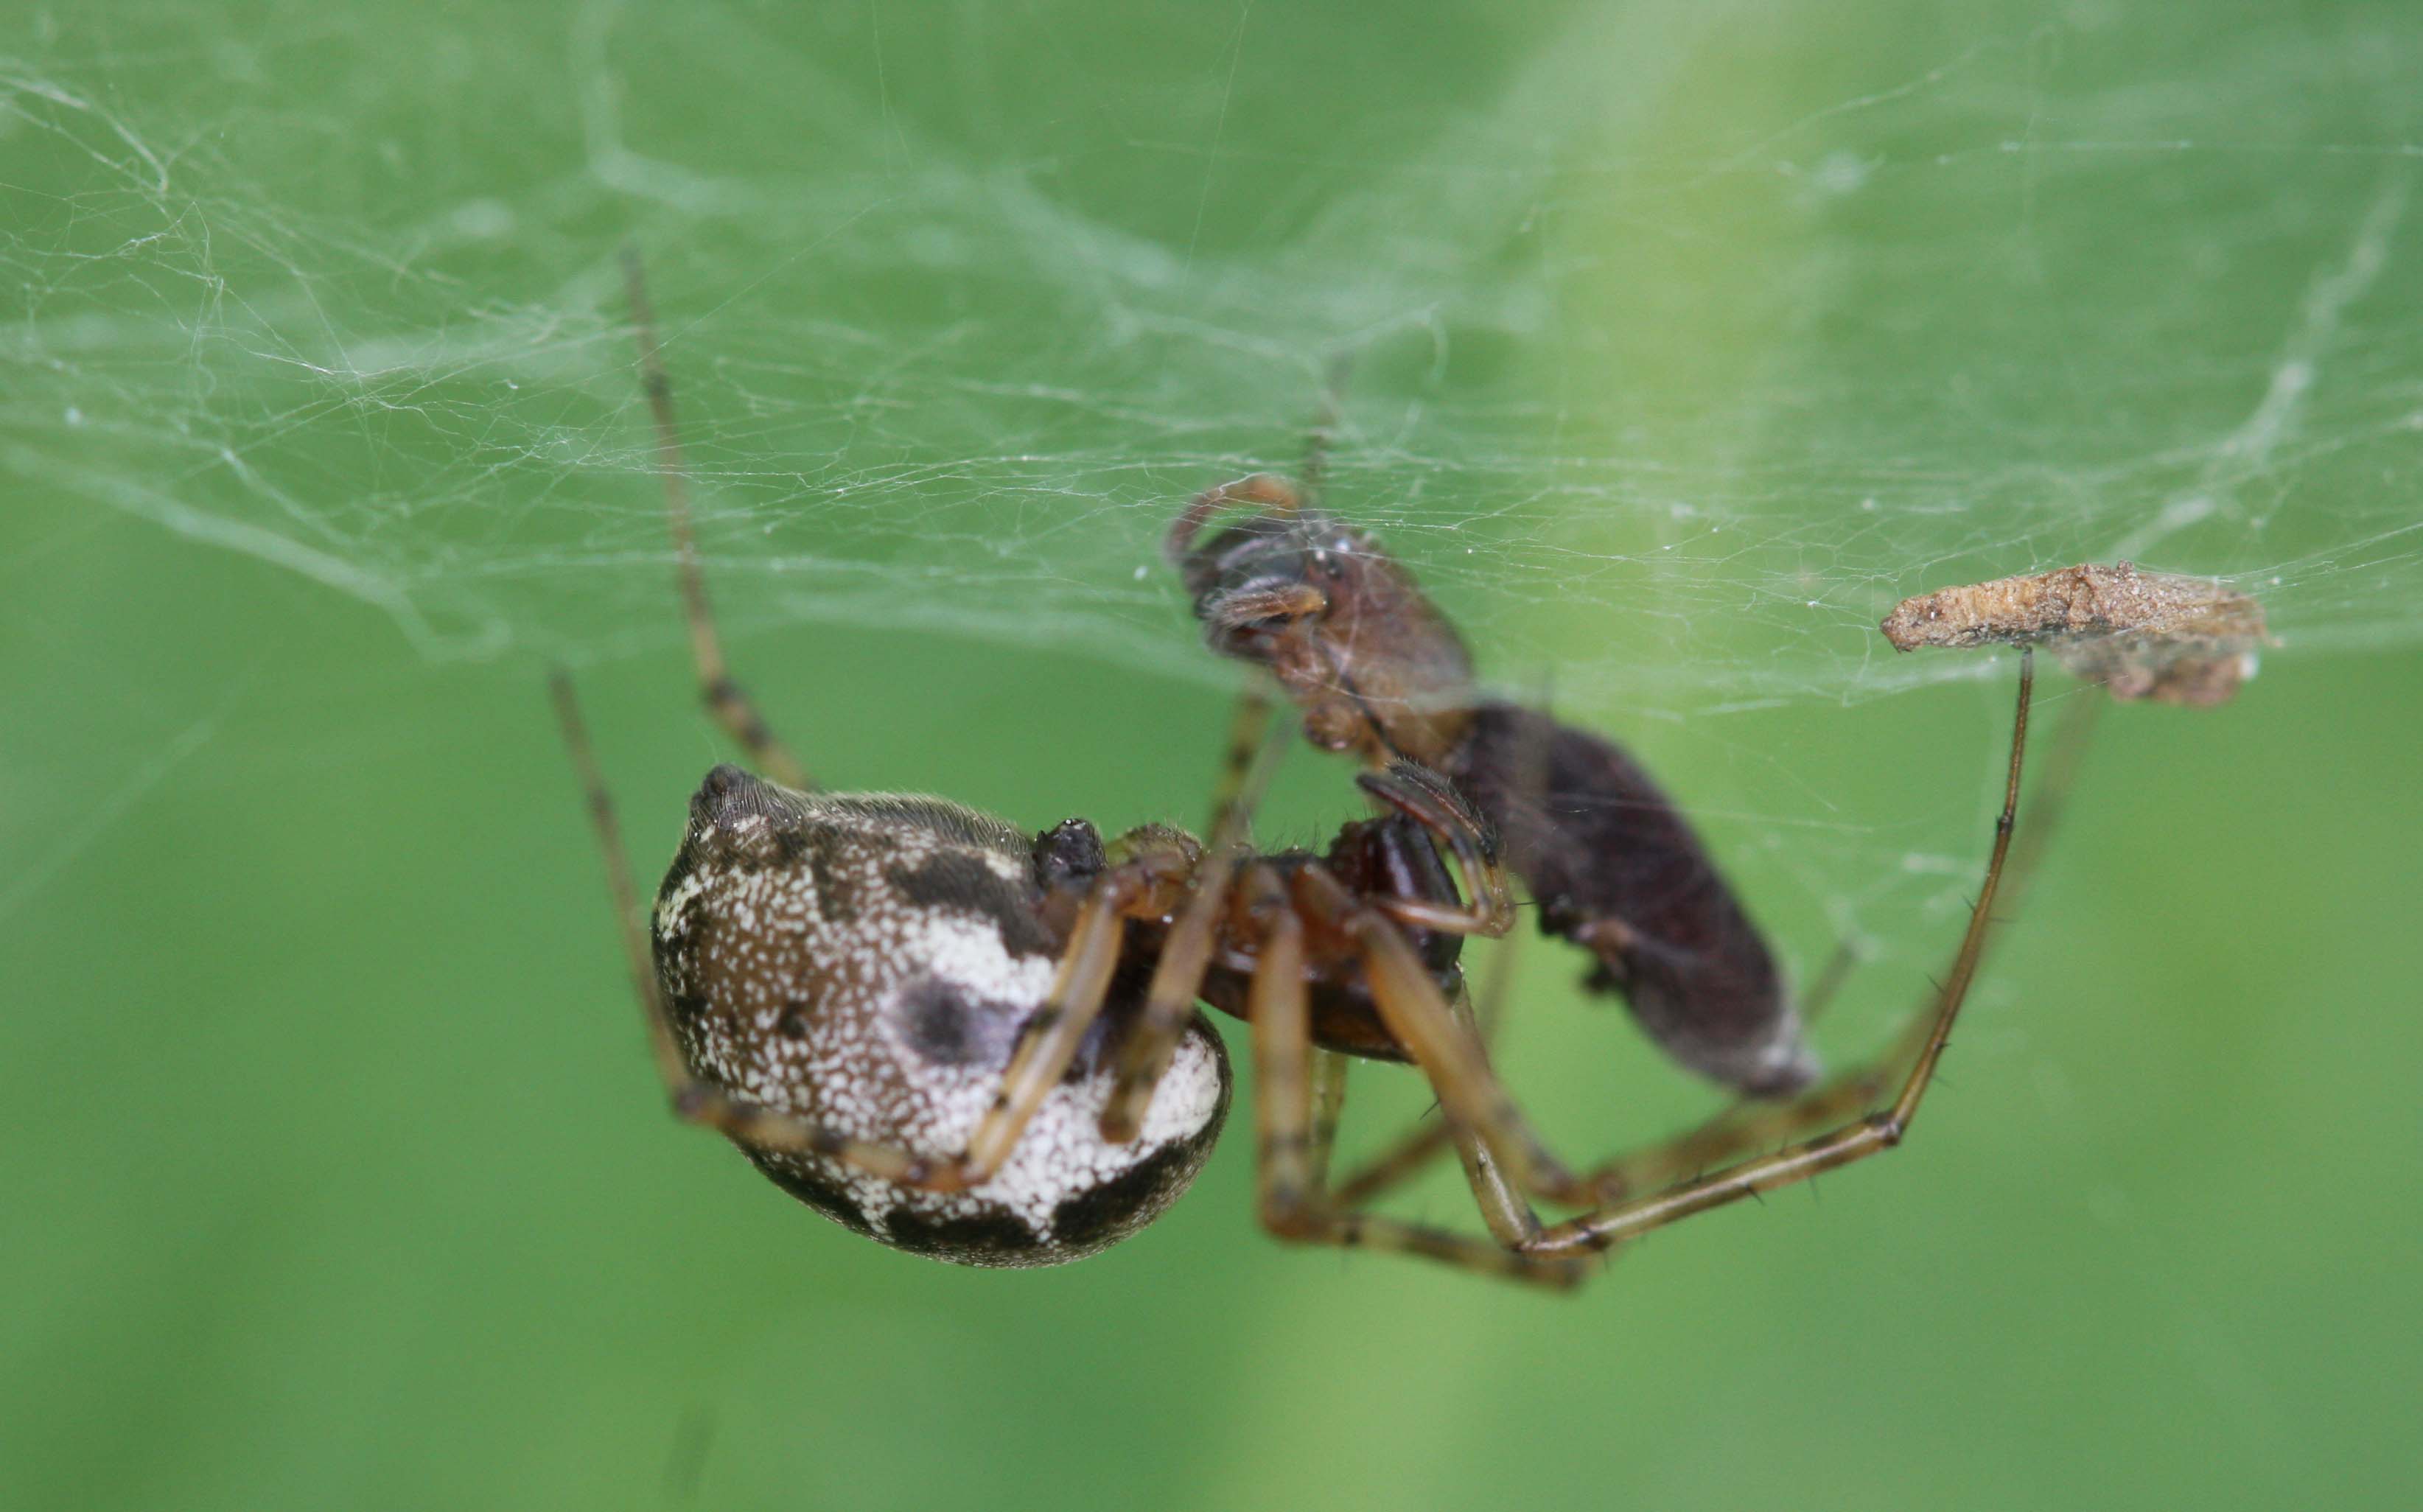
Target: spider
pixel 1614 866
pixel 983 1046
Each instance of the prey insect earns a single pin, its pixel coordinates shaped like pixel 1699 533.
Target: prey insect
pixel 1614 866
pixel 983 1045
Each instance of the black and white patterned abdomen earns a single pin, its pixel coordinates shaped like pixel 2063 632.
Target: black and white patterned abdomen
pixel 869 961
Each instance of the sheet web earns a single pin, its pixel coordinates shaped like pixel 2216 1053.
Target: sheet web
pixel 1669 399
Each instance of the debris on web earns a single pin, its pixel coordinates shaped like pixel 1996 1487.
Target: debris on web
pixel 2158 635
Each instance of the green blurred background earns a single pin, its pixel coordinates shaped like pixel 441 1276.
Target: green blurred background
pixel 1690 338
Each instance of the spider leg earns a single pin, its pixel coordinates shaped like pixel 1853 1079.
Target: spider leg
pixel 1746 1123
pixel 1412 1152
pixel 1431 801
pixel 724 699
pixel 1052 1037
pixel 1185 955
pixel 2072 737
pixel 1511 1221
pixel 1828 981
pixel 1046 1046
pixel 1328 1107
pixel 1169 998
pixel 1750 1123
pixel 1248 726
pixel 1043 1053
pixel 1743 1125
pixel 1861 1137
pixel 1291 1198
pixel 692 1099
pixel 1324 430
pixel 1447 1048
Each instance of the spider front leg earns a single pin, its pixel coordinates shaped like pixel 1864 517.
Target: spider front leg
pixel 1856 1141
pixel 1186 952
pixel 1169 998
pixel 1292 1196
pixel 1248 724
pixel 1447 1048
pixel 693 1101
pixel 724 699
pixel 1412 1152
pixel 1751 1123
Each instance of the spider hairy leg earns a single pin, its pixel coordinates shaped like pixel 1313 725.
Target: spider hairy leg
pixel 1293 1205
pixel 724 699
pixel 1876 1132
pixel 1447 1050
pixel 1411 1152
pixel 1248 726
pixel 1510 1220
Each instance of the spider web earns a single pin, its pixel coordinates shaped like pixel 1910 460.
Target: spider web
pixel 1686 340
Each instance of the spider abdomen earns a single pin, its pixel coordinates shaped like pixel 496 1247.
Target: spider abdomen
pixel 869 962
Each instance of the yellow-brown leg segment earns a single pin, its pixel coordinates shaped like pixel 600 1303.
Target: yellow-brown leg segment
pixel 1411 1152
pixel 1831 977
pixel 1185 955
pixel 1293 1202
pixel 1328 1107
pixel 1856 1141
pixel 1511 1221
pixel 1248 726
pixel 2073 734
pixel 1751 1124
pixel 723 698
pixel 1050 1039
pixel 1748 1123
pixel 1742 1125
pixel 1169 998
pixel 1447 1050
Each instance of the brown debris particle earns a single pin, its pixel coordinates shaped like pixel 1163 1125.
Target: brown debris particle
pixel 2157 636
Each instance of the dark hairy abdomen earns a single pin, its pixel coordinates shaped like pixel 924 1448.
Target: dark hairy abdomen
pixel 1598 844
